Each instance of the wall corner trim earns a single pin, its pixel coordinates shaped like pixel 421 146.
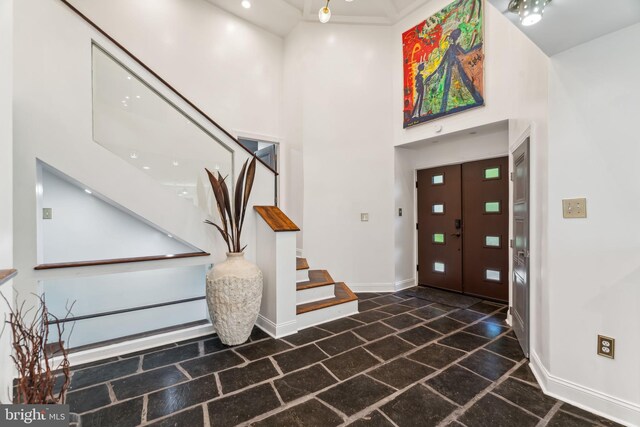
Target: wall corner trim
pixel 404 284
pixel 618 410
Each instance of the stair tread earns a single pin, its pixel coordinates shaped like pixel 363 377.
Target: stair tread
pixel 301 263
pixel 342 295
pixel 317 278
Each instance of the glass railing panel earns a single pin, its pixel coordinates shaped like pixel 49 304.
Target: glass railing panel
pixel 138 124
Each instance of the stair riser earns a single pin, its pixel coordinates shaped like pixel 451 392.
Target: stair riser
pixel 302 275
pixel 326 314
pixel 315 294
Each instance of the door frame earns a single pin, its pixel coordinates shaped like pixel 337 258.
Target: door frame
pixel 509 154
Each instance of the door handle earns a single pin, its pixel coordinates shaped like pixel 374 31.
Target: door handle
pixel 458 234
pixel 523 254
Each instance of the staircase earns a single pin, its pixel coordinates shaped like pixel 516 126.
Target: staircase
pixel 319 298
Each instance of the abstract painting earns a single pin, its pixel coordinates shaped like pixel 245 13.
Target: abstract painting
pixel 444 63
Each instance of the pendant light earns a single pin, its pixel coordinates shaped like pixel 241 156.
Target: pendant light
pixel 324 14
pixel 529 11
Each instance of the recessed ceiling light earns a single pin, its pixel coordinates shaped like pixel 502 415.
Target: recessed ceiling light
pixel 133 155
pixel 86 190
pixel 137 96
pixel 175 163
pixel 246 4
pixel 126 97
pixel 128 77
pixel 146 168
pixel 170 236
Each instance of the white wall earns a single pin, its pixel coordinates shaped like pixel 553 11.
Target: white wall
pixel 343 102
pixel 594 263
pixel 84 227
pixel 6 184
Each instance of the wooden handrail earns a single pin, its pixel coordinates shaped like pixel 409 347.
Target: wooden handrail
pixel 276 219
pixel 117 261
pixel 163 81
pixel 6 275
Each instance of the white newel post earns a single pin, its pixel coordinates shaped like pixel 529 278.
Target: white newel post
pixel 276 257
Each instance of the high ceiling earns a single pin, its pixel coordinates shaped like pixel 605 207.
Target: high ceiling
pixel 280 16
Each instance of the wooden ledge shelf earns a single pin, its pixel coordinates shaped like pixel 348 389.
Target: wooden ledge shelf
pixel 6 275
pixel 118 261
pixel 276 219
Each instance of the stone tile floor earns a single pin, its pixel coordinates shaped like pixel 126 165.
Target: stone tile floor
pixel 401 361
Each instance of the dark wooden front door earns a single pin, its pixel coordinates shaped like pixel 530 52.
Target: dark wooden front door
pixel 463 227
pixel 440 228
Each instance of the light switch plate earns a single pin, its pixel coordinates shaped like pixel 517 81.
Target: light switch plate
pixel 606 346
pixel 364 217
pixel 574 208
pixel 399 211
pixel 47 213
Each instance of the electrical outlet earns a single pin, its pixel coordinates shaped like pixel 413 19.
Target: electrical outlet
pixel 574 208
pixel 47 213
pixel 364 217
pixel 606 346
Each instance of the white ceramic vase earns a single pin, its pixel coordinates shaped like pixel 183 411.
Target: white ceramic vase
pixel 234 293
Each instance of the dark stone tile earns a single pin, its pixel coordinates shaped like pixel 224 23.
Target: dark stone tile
pixel 243 406
pixel 445 325
pixel 526 396
pixel 169 356
pixel 419 335
pixel 339 343
pixel 486 329
pixel 388 348
pixel 436 355
pixel 491 411
pixel 301 383
pixel 374 331
pixel 214 345
pixel 370 316
pixel 236 378
pixel 355 395
pixel 564 419
pixel 350 363
pixel 367 295
pixel 525 374
pixel 146 382
pixel 387 299
pixel 499 319
pixel 311 413
pixel 258 334
pixel 465 316
pixel 416 303
pixel 190 418
pixel 418 406
pixel 588 415
pixel 443 307
pixel 299 358
pixel 507 347
pixel 374 419
pixel 403 321
pixel 88 399
pixel 486 307
pixel 125 414
pixel 458 384
pixel 367 305
pixel 102 373
pixel 464 341
pixel 401 372
pixel 395 309
pixel 445 297
pixel 263 349
pixel 306 336
pixel 212 363
pixel 197 339
pixel 181 396
pixel 93 364
pixel 429 312
pixel 487 364
pixel 340 325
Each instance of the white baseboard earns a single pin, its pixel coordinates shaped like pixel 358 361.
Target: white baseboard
pixel 372 287
pixel 404 284
pixel 277 330
pixel 139 344
pixel 618 410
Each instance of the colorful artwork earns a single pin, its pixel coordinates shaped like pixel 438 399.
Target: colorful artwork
pixel 444 63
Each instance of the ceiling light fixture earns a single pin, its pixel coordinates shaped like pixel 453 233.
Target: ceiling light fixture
pixel 133 155
pixel 86 190
pixel 324 14
pixel 246 4
pixel 529 11
pixel 146 168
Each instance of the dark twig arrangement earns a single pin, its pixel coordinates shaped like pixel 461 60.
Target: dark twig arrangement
pixel 232 213
pixel 33 354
